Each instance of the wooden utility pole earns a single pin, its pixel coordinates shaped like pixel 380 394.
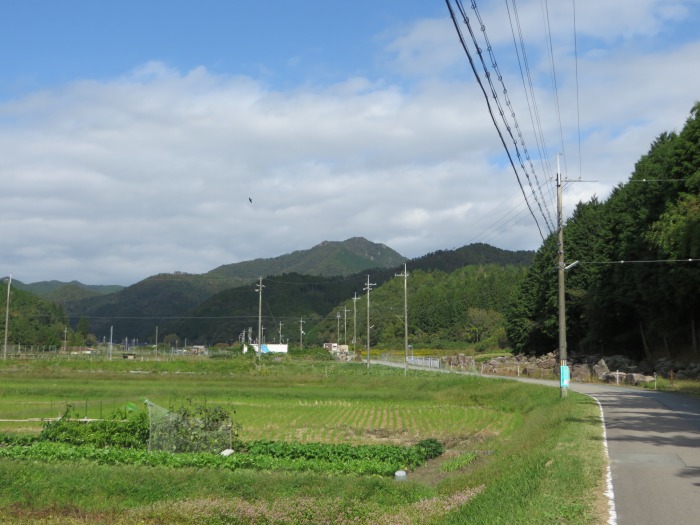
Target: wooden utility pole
pixel 301 333
pixel 405 317
pixel 7 318
pixel 259 290
pixel 354 321
pixel 563 367
pixel 368 287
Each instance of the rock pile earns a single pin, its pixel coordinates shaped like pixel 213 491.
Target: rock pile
pixel 608 369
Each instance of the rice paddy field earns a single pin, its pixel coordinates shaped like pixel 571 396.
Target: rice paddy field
pixel 513 453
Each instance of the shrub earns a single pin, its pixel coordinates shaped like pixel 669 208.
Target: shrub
pixel 430 448
pixel 125 428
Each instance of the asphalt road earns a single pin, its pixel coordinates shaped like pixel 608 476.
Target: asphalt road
pixel 653 444
pixel 654 449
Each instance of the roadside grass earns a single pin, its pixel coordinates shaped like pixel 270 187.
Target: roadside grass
pixel 536 458
pixel 682 386
pixel 549 471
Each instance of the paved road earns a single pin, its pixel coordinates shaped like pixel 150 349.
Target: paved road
pixel 653 441
pixel 654 449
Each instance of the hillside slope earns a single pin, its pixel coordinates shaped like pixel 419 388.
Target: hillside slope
pixel 329 258
pixel 136 311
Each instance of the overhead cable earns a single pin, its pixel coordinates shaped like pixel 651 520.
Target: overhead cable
pixel 490 109
pixel 530 96
pixel 548 218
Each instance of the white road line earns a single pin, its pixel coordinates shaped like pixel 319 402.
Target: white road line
pixel 609 492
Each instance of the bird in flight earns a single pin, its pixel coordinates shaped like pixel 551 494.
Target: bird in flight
pixel 251 200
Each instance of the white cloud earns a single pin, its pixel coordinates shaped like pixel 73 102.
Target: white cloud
pixel 113 181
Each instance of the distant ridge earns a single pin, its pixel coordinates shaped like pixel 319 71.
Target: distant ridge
pixel 172 295
pixel 477 253
pixel 59 291
pixel 168 300
pixel 329 258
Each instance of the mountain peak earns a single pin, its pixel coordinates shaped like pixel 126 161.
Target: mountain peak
pixel 328 258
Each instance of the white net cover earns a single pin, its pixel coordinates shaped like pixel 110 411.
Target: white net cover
pixel 183 431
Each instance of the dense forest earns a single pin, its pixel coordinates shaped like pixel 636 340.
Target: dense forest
pixel 465 304
pixel 634 290
pixel 33 320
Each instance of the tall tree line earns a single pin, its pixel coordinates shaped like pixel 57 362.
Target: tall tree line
pixel 635 289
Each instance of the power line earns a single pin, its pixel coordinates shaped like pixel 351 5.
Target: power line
pixel 578 109
pixel 494 65
pixel 650 261
pixel 488 104
pixel 530 96
pixel 550 48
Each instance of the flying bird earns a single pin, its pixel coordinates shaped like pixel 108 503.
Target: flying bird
pixel 251 200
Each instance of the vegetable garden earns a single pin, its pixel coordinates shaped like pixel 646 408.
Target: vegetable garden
pixel 313 443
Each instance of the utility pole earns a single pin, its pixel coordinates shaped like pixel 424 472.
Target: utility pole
pixel 259 289
pixel 337 337
pixel 156 343
pixel 281 332
pixel 354 321
pixel 7 318
pixel 301 333
pixel 405 317
pixel 368 287
pixel 563 367
pixel 111 332
pixel 345 325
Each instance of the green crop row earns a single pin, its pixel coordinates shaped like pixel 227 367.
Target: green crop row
pixel 406 457
pixel 383 460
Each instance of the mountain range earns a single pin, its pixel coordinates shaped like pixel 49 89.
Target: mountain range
pixel 317 279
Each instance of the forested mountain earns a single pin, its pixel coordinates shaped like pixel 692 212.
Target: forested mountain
pixel 472 254
pixel 330 258
pixel 135 311
pixel 287 298
pixel 465 305
pixel 177 307
pixel 635 289
pixel 448 300
pixel 32 320
pixel 59 291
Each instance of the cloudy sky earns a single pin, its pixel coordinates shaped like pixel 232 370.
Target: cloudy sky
pixel 134 133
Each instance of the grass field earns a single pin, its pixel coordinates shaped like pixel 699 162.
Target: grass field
pixel 515 453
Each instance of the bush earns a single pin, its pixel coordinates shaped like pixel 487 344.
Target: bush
pixel 125 428
pixel 313 353
pixel 430 448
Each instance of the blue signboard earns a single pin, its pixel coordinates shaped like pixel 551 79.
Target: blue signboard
pixel 565 376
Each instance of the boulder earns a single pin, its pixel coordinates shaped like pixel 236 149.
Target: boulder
pixel 614 377
pixel 549 362
pixel 581 373
pixel 632 378
pixel 600 369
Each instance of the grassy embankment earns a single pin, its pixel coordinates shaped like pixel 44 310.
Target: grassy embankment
pixel 515 453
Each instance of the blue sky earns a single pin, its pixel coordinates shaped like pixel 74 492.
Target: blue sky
pixel 133 133
pixel 285 43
